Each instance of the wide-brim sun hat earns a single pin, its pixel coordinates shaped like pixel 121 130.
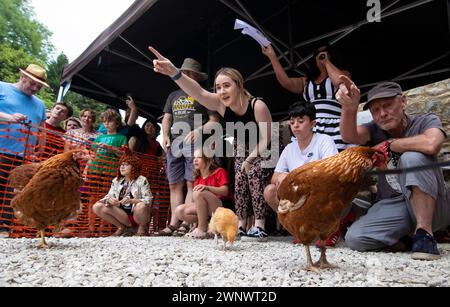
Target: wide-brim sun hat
pixel 36 73
pixel 190 64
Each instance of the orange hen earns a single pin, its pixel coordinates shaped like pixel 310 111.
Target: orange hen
pixel 314 196
pixel 53 192
pixel 225 223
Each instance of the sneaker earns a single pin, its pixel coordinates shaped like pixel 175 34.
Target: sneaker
pixel 330 242
pixel 257 233
pixel 242 232
pixel 424 246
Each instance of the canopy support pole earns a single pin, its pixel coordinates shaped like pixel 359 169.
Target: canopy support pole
pixel 345 31
pixel 135 48
pixel 422 66
pixel 407 75
pixel 99 86
pixel 126 57
pixel 348 31
pixel 115 96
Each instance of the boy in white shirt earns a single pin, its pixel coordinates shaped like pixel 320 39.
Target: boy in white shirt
pixel 307 147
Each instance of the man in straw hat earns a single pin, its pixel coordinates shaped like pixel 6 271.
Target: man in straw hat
pixel 179 134
pixel 18 103
pixel 412 204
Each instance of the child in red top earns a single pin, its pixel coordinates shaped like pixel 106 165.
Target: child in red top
pixel 211 186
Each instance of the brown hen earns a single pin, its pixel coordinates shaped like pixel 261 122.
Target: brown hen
pixel 314 196
pixel 53 192
pixel 21 175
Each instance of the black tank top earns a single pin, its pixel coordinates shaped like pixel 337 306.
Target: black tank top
pixel 248 117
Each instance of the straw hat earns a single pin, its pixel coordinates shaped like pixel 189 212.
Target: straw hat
pixel 194 66
pixel 36 73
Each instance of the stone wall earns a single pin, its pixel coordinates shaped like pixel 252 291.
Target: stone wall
pixel 434 98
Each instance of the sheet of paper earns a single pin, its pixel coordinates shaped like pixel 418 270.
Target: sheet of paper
pixel 252 32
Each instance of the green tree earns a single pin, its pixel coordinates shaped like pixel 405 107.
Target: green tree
pixel 23 40
pixel 54 72
pixel 20 30
pixel 10 62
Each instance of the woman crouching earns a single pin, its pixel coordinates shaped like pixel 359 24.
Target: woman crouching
pixel 127 205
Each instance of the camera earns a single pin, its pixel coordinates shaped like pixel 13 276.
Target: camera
pixel 323 56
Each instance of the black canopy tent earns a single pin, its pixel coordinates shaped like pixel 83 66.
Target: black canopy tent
pixel 410 45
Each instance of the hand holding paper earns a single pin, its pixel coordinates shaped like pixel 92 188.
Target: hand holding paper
pixel 251 31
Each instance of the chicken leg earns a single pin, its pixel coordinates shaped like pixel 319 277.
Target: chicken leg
pixel 310 266
pixel 43 244
pixel 216 239
pixel 323 262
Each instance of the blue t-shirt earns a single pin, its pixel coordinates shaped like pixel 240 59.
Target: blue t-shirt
pixel 13 101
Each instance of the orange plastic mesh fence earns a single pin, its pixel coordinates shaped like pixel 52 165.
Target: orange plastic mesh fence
pixel 97 175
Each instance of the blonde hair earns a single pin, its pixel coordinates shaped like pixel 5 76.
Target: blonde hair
pixel 236 76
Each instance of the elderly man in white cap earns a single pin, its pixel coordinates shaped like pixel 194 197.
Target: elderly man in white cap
pixel 412 203
pixel 18 104
pixel 180 132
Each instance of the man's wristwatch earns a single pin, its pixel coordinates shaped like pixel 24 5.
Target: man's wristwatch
pixel 389 142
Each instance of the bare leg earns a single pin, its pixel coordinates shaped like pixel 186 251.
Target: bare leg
pixel 141 216
pixel 423 206
pixel 113 215
pixel 176 199
pixel 261 223
pixel 206 204
pixel 270 195
pixel 189 187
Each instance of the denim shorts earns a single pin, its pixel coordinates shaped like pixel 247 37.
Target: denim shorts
pixel 180 163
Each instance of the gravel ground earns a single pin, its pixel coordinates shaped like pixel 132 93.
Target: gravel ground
pixel 177 262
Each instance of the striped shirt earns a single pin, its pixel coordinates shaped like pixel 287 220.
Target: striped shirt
pixel 328 109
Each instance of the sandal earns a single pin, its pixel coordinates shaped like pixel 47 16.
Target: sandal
pixel 166 232
pixel 181 231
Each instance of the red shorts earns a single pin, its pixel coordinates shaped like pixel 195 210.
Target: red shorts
pixel 132 221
